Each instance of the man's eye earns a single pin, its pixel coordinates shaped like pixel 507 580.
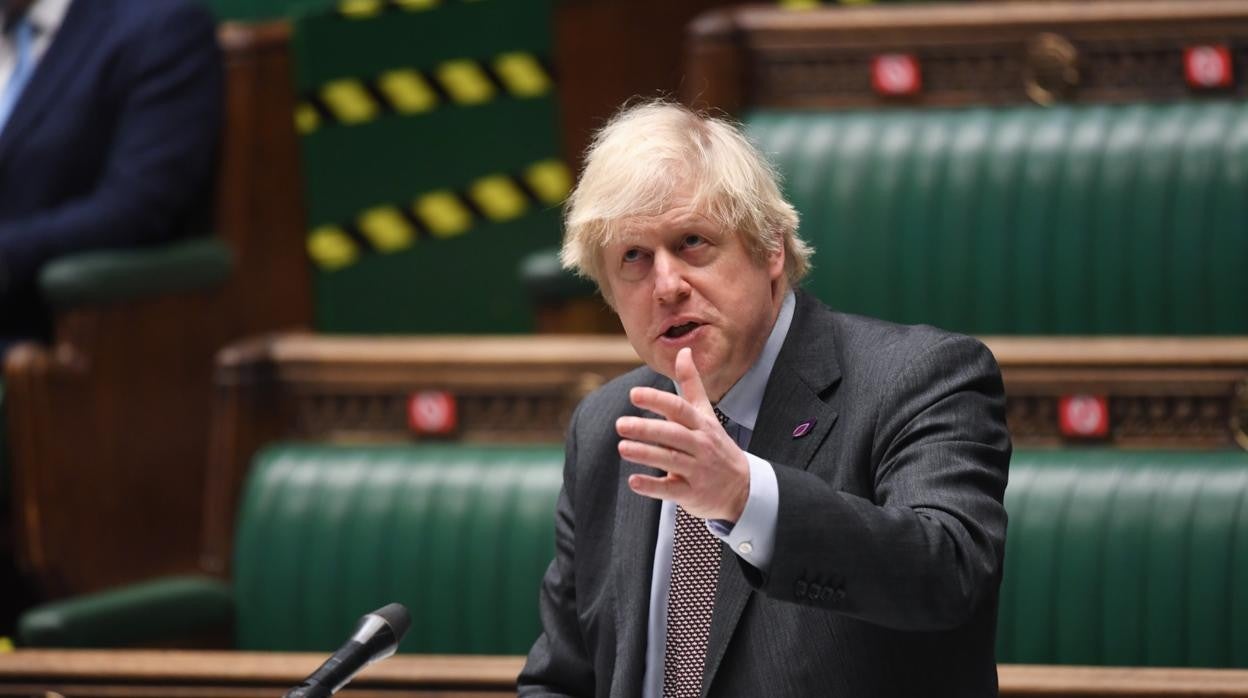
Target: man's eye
pixel 632 255
pixel 694 240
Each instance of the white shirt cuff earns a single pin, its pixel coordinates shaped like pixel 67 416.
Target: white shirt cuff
pixel 753 537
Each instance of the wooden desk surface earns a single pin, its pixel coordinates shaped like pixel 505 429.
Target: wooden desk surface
pixel 205 674
pixel 90 673
pixel 1120 682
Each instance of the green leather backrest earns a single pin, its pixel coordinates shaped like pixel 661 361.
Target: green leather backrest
pixel 1112 557
pixel 1127 219
pixel 460 535
pixel 1126 559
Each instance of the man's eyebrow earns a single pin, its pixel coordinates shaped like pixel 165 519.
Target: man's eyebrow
pixel 624 240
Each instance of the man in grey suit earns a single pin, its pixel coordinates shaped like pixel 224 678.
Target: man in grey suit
pixel 786 500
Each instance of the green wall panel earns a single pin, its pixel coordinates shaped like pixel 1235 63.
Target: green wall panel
pixel 465 284
pixel 258 10
pixel 329 46
pixel 363 152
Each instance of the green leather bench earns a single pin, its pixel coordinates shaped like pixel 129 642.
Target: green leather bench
pixel 1113 557
pixel 1084 219
pixel 459 534
pixel 1126 558
pixel 1078 220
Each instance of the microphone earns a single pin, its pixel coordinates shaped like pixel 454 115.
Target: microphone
pixel 376 637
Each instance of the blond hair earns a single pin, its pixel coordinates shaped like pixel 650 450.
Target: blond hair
pixel 651 152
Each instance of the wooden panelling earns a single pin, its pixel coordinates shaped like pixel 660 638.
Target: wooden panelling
pixel 96 674
pixel 972 53
pixel 608 51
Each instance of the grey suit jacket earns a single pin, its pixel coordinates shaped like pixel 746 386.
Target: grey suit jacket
pixel 889 541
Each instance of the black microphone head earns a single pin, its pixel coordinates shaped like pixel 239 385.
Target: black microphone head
pixel 397 617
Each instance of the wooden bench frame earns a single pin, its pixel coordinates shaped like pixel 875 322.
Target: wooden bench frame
pixel 1161 392
pixel 134 674
pixel 972 53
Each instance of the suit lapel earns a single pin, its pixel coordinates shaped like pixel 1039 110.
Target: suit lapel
pixel 797 392
pixel 634 535
pixel 57 65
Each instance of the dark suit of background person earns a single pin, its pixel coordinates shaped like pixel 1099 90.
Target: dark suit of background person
pixel 890 527
pixel 113 142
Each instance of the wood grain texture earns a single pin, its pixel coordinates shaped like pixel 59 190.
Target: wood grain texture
pixel 176 673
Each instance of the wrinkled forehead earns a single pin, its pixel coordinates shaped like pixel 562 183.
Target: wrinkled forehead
pixel 683 215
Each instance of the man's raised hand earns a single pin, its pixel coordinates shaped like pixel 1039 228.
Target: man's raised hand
pixel 707 473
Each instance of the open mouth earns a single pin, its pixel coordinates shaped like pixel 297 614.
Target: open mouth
pixel 677 331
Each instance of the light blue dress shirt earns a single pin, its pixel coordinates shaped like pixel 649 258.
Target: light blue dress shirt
pixel 23 46
pixel 754 534
pixel 23 68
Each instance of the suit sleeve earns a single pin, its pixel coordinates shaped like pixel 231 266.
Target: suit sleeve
pixel 169 100
pixel 559 664
pixel 926 554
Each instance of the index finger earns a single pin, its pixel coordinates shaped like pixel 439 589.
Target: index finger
pixel 672 407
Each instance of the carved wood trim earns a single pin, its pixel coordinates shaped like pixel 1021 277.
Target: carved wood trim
pixel 984 53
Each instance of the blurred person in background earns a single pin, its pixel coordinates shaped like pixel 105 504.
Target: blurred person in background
pixel 110 117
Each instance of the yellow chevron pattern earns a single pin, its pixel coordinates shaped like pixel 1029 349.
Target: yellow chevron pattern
pixel 439 214
pixel 465 81
pixel 331 248
pixel 409 91
pixel 522 74
pixel 443 213
pixel 386 229
pixel 349 101
pixel 368 9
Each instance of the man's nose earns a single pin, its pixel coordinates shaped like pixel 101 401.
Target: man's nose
pixel 670 284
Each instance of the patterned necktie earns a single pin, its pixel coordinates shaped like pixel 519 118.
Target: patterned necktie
pixel 24 39
pixel 695 574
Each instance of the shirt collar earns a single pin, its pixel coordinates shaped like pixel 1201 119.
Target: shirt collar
pixel 742 401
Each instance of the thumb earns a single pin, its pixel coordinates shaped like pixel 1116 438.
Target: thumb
pixel 691 382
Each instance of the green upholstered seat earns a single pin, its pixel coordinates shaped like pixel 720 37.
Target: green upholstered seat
pixel 1112 558
pixel 111 276
pixel 1126 558
pixel 1127 219
pixel 459 534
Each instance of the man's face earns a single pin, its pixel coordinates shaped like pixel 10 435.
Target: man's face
pixel 677 280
